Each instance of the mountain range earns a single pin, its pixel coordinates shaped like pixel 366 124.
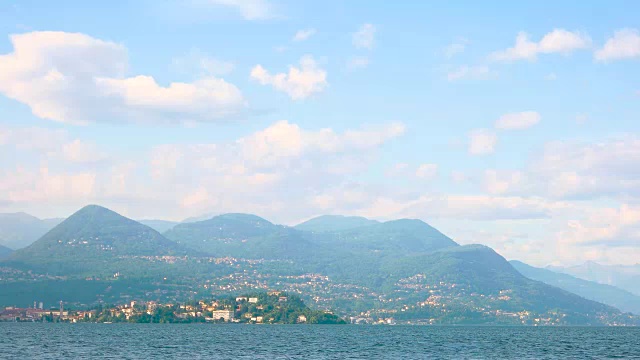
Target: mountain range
pixel 606 294
pixel 623 276
pixel 18 230
pixel 355 265
pixel 4 252
pixel 92 238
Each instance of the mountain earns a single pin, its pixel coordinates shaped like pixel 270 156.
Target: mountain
pixel 626 277
pixel 5 252
pixel 404 269
pixel 18 230
pixel 477 269
pixel 241 235
pixel 159 225
pixel 202 217
pixel 603 293
pixel 400 237
pixel 92 236
pixel 331 223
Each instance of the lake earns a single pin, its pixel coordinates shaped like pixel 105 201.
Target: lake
pixel 206 341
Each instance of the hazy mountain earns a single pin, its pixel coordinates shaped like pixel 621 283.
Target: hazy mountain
pixel 481 270
pixel 4 252
pixel 404 261
pixel 202 217
pixel 404 236
pixel 159 225
pixel 241 235
pixel 90 237
pixel 18 230
pixel 626 277
pixel 327 223
pixel 603 293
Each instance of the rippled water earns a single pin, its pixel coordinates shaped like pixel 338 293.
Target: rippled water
pixel 205 341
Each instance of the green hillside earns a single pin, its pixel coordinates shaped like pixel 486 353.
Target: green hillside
pixel 404 269
pixel 398 237
pixel 90 238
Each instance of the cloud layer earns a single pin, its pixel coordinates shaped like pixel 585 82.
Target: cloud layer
pixel 74 78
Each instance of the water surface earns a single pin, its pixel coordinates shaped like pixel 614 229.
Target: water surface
pixel 205 341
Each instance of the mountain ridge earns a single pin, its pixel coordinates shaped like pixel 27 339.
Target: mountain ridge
pixel 606 294
pixel 18 230
pixel 396 266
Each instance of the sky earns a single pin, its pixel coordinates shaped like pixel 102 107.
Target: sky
pixel 514 125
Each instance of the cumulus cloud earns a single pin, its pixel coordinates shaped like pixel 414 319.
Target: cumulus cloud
pixel 625 44
pixel 74 78
pixel 458 207
pixel 518 121
pixel 364 38
pixel 272 170
pixel 299 83
pixel 576 170
pixel 249 9
pixel 482 142
pixel 557 41
pixel 82 152
pixel 302 35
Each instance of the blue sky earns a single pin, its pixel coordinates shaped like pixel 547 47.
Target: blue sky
pixel 513 125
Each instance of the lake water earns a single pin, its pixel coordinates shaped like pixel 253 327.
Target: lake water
pixel 205 341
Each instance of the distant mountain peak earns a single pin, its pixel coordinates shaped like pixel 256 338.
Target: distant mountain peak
pixel 94 233
pixel 329 223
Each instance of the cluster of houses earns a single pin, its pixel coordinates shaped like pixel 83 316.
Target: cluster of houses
pixel 38 313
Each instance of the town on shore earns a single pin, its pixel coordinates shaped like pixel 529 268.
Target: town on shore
pixel 273 307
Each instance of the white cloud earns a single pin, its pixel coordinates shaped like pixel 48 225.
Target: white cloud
pixel 518 121
pixel 455 48
pixel 74 78
pixel 43 185
pixel 364 38
pixel 427 171
pixel 482 142
pixel 625 44
pixel 478 72
pixel 201 65
pixel 273 170
pixel 551 77
pixel 82 152
pixel 619 226
pixel 358 62
pixel 304 34
pixel 52 143
pixel 498 183
pixel 574 170
pixel 299 83
pixel 249 9
pixel 557 41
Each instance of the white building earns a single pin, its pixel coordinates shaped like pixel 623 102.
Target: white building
pixel 227 315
